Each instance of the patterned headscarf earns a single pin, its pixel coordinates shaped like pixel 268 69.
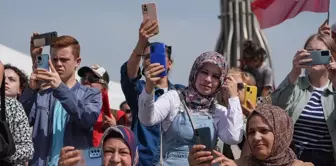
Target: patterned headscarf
pixel 282 127
pixel 127 135
pixel 194 99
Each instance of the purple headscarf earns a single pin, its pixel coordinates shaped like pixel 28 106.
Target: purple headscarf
pixel 193 98
pixel 127 135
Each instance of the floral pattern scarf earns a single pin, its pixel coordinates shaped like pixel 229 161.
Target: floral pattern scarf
pixel 193 98
pixel 282 127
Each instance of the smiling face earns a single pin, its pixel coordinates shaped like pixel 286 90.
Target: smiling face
pixel 260 137
pixel 116 153
pixel 208 79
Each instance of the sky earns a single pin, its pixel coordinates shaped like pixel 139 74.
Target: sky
pixel 108 30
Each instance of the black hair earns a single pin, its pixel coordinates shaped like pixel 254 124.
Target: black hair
pixel 121 104
pixel 23 79
pixel 252 49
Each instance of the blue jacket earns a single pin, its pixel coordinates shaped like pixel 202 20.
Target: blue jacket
pixel 83 106
pixel 148 136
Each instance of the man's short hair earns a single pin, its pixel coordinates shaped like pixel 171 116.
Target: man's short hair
pixel 66 41
pixel 122 104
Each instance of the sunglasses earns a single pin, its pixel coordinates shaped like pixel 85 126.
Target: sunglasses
pixel 240 86
pixel 128 111
pixel 91 79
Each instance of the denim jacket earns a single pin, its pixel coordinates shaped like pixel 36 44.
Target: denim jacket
pixel 148 136
pixel 294 97
pixel 82 105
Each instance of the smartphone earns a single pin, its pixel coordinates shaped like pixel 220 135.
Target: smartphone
pixel 149 12
pixel 250 94
pixel 203 137
pixel 43 61
pixel 158 55
pixel 44 39
pixel 92 156
pixel 319 57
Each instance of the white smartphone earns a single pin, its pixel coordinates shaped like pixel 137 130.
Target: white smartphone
pixel 149 11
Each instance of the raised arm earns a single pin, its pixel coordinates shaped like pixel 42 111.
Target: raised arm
pixel 152 113
pixel 229 122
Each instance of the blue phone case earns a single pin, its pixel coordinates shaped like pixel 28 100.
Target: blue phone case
pixel 92 156
pixel 320 57
pixel 158 55
pixel 43 61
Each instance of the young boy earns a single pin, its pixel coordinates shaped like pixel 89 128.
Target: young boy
pixel 253 61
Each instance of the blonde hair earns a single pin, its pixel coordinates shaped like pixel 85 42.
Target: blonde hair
pixel 247 78
pixel 326 39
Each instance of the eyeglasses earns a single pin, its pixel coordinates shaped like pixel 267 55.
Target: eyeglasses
pixel 128 111
pixel 91 79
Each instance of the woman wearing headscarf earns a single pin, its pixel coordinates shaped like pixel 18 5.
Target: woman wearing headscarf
pixel 118 147
pixel 195 107
pixel 310 101
pixel 269 135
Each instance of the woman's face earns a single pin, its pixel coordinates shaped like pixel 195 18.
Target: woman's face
pixel 208 79
pixel 315 45
pixel 12 86
pixel 116 153
pixel 260 137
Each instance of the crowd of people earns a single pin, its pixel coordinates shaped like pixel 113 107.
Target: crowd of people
pixel 56 120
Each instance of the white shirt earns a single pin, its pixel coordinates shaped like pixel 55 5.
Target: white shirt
pixel 228 122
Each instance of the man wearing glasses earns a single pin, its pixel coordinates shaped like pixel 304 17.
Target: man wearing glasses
pixel 125 107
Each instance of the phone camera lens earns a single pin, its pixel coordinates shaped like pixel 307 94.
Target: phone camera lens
pixel 248 89
pixel 145 8
pixel 325 53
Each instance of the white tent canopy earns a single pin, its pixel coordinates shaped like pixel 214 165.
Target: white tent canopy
pixel 23 62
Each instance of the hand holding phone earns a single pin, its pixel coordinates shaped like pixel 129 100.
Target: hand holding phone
pixel 319 57
pixel 44 39
pixel 149 12
pixel 203 137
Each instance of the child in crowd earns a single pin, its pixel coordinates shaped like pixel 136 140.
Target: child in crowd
pixel 253 61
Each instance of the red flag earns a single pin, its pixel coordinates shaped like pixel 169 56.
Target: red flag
pixel 273 12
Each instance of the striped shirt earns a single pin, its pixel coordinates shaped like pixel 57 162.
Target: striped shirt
pixel 310 130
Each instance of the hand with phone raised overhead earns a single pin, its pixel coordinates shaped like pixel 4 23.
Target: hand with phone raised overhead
pixel 34 51
pixel 300 60
pixel 147 30
pixel 325 28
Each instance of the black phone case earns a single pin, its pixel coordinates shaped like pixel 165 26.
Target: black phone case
pixel 48 38
pixel 203 136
